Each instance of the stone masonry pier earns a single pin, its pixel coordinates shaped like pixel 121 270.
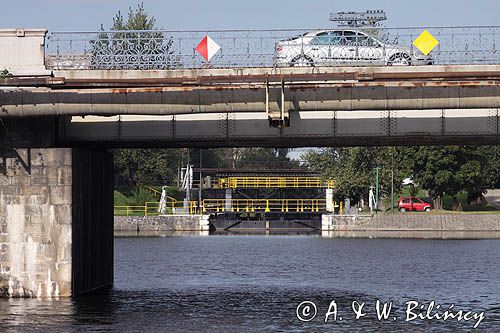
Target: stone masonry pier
pixel 56 233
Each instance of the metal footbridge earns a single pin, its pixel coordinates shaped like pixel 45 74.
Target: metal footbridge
pixel 246 205
pixel 272 182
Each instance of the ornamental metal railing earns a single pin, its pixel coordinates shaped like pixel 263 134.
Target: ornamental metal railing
pixel 161 49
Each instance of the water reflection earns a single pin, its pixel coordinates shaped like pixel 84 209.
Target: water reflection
pixel 413 234
pixel 326 234
pixel 253 283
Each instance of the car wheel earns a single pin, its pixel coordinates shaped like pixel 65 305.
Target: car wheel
pixel 302 61
pixel 428 209
pixel 399 59
pixel 402 210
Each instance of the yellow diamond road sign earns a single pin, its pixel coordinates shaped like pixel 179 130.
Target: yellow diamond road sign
pixel 425 42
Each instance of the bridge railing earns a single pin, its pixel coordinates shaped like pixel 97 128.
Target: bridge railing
pixel 271 182
pixel 236 205
pixel 162 49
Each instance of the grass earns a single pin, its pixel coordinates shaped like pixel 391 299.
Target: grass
pixel 139 196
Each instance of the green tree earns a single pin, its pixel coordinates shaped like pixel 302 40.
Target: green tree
pixel 452 169
pixel 134 44
pixel 146 166
pixel 491 168
pixel 130 48
pixel 439 170
pixel 209 158
pixel 255 158
pixel 4 73
pixel 137 19
pixel 266 158
pixel 353 169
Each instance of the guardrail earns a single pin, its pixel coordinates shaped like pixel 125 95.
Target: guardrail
pixel 271 182
pixel 236 205
pixel 162 49
pixel 151 209
pixel 264 205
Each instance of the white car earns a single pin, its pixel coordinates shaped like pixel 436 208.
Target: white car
pixel 334 47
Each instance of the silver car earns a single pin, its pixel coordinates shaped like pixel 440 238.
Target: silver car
pixel 335 47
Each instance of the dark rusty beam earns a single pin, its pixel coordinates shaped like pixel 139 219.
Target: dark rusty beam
pixel 363 75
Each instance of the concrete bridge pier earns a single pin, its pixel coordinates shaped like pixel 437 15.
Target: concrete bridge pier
pixel 56 222
pixel 228 203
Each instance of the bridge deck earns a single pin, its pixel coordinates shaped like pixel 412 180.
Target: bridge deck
pixel 235 107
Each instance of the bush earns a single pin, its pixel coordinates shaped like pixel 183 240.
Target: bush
pixel 120 199
pixel 139 196
pixel 5 73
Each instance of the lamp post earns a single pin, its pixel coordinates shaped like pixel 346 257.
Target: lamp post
pixel 201 180
pixel 188 187
pixel 377 169
pixel 392 180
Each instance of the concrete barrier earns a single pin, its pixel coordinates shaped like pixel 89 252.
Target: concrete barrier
pixel 22 51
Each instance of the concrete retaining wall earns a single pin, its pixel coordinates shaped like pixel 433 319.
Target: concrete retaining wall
pixel 412 222
pixel 162 223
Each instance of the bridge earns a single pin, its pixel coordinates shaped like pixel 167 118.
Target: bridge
pixel 215 108
pixel 68 97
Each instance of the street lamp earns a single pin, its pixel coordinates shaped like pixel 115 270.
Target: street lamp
pixel 377 169
pixel 392 180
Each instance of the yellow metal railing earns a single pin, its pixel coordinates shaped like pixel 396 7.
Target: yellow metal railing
pixel 154 191
pixel 158 193
pixel 263 205
pixel 151 209
pixel 235 205
pixel 178 207
pixel 272 182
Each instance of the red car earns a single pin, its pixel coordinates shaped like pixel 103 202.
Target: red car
pixel 406 204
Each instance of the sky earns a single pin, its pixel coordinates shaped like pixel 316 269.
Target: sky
pixel 88 15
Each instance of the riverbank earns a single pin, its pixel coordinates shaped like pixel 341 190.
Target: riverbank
pixel 408 222
pixel 412 222
pixel 145 224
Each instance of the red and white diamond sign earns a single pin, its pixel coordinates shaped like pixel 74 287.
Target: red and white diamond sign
pixel 207 48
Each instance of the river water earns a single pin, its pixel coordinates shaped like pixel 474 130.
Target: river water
pixel 254 283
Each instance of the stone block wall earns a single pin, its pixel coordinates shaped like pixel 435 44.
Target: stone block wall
pixel 412 222
pixel 162 223
pixel 56 222
pixel 35 223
